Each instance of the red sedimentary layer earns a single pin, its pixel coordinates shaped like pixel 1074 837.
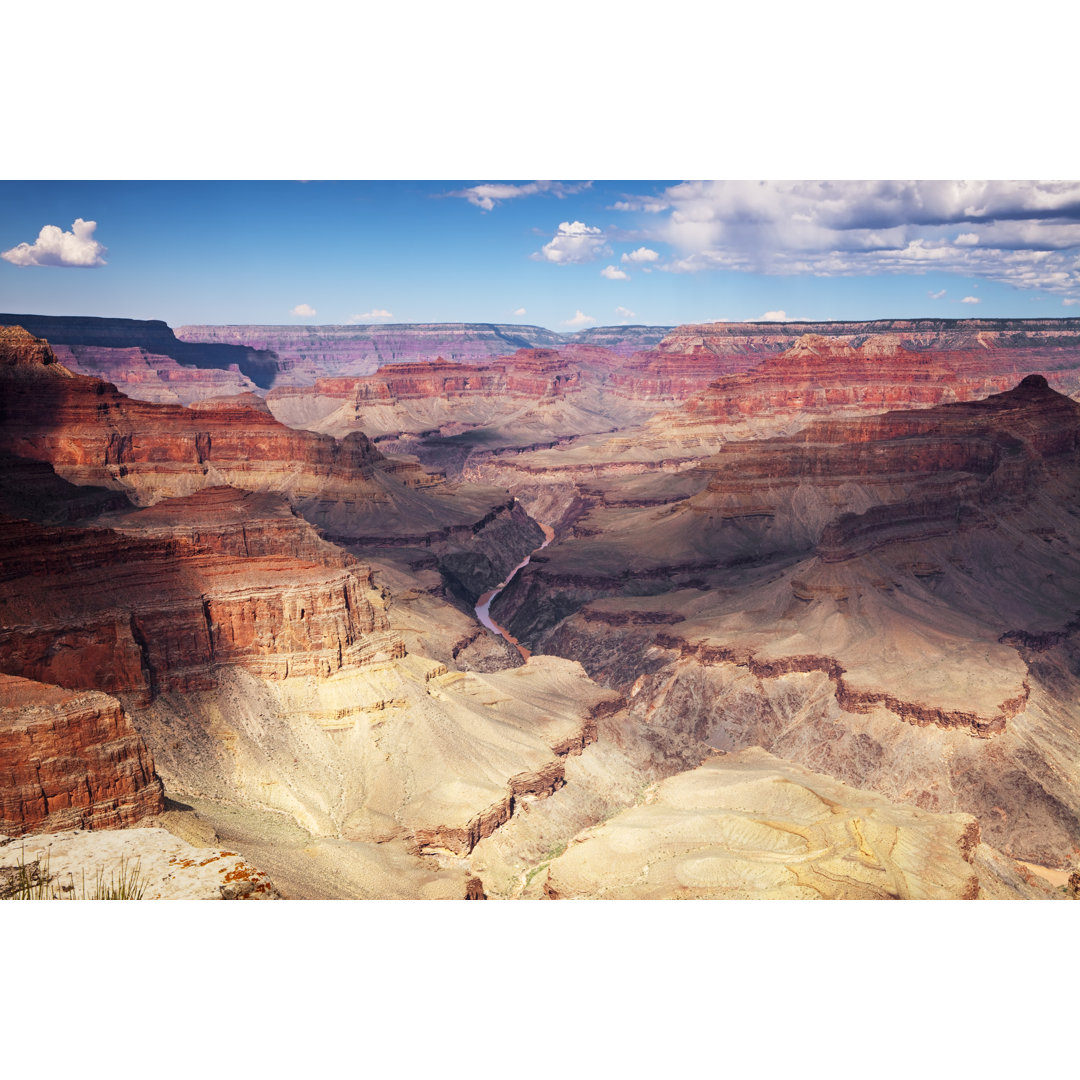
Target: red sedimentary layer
pixel 820 374
pixel 850 699
pixel 102 609
pixel 70 760
pixel 149 376
pixel 999 436
pixel 91 433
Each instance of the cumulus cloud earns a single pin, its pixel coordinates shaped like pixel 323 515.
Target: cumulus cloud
pixel 488 196
pixel 305 311
pixel 774 316
pixel 613 273
pixel 1023 233
pixel 575 242
pixel 54 247
pixel 519 311
pixel 375 315
pixel 579 319
pixel 971 300
pixel 625 313
pixel 937 295
pixel 641 255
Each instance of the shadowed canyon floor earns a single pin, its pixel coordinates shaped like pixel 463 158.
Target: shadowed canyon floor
pixel 799 621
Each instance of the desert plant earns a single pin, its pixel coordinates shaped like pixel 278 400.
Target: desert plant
pixel 125 886
pixel 33 881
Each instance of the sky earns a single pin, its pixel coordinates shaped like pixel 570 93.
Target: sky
pixel 563 254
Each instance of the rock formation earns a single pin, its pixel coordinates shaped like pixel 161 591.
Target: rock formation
pixel 749 552
pixel 70 759
pixel 149 336
pixel 150 862
pixel 890 600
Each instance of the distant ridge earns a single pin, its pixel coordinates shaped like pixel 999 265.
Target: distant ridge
pixel 151 335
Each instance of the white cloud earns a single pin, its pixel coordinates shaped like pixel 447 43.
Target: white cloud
pixel 971 300
pixel 519 311
pixel 1023 233
pixel 774 316
pixel 613 273
pixel 579 319
pixel 649 206
pixel 375 315
pixel 305 311
pixel 937 295
pixel 575 242
pixel 625 313
pixel 488 196
pixel 54 247
pixel 1069 301
pixel 641 255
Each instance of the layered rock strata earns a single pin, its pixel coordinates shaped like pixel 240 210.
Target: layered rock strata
pixel 863 597
pixel 93 435
pixel 70 759
pixel 150 336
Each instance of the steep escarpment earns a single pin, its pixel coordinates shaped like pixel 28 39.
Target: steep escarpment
pixel 116 611
pixel 70 760
pixel 766 338
pixel 153 377
pixel 150 336
pixel 308 352
pixel 773 499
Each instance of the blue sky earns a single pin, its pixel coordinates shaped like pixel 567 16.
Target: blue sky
pixel 561 254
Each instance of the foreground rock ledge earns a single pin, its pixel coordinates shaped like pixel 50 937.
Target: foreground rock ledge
pixel 168 868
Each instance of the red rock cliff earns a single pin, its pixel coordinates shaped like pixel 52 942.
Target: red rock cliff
pixel 70 760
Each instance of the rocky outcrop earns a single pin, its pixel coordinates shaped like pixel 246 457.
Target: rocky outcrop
pixel 138 864
pixel 150 336
pixel 151 377
pixel 120 612
pixel 70 760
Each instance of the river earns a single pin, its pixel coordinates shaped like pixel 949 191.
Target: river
pixel 483 606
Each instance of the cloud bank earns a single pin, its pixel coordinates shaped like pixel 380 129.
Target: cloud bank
pixel 54 247
pixel 375 315
pixel 1021 233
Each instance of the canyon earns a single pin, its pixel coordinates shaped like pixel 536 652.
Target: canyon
pixel 788 610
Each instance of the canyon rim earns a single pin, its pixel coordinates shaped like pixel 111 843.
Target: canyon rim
pixel 309 599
